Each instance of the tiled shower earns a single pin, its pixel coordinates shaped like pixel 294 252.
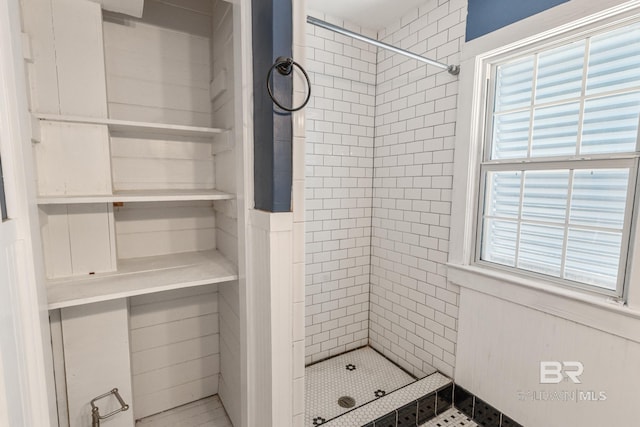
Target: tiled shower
pixel 379 166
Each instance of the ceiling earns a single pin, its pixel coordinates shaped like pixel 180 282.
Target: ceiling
pixel 369 14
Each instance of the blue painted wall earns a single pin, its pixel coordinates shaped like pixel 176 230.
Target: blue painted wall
pixel 273 128
pixel 486 16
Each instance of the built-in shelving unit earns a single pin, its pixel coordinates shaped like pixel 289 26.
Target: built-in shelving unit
pixel 135 144
pixel 141 276
pixel 126 155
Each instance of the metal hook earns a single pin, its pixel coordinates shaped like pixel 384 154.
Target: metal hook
pixel 285 67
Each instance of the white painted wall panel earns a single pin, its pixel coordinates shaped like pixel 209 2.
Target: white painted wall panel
pixel 125 90
pixel 165 333
pixel 230 350
pixel 128 7
pixel 501 345
pixel 149 229
pixel 126 62
pixel 12 394
pixel 192 17
pixel 175 42
pixel 77 27
pixel 226 233
pixel 178 374
pixel 57 348
pixel 185 393
pixel 172 354
pixel 222 64
pixel 97 359
pixel 73 159
pixel 175 350
pixel 91 238
pixel 41 70
pixel 77 239
pixel 148 164
pixel 54 227
pixel 271 307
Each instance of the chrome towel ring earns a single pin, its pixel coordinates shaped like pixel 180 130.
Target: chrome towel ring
pixel 285 67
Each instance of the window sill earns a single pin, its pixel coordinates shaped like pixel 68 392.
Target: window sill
pixel 597 312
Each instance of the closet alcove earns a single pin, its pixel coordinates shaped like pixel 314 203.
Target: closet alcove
pixel 135 145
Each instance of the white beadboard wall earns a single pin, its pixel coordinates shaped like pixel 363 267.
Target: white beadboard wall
pixel 158 70
pixel 338 189
pixel 413 308
pixel 222 79
pixel 158 66
pixel 271 304
pixel 96 359
pixel 150 229
pixel 499 360
pixel 175 350
pixel 157 164
pixel 79 60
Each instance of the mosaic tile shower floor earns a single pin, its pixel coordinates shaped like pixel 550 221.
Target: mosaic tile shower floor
pixel 362 374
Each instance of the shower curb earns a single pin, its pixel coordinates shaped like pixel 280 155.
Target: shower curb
pixel 420 402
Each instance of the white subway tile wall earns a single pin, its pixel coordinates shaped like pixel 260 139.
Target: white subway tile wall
pixel 413 317
pixel 298 166
pixel 338 189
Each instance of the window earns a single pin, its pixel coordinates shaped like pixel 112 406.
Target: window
pixel 560 161
pixel 3 202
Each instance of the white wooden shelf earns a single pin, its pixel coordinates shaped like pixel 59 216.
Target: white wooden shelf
pixel 131 127
pixel 140 276
pixel 138 196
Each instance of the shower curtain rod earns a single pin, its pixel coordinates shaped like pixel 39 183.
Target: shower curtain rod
pixel 452 69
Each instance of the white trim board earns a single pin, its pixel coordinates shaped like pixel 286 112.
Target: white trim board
pixel 133 127
pixel 567 304
pixel 139 196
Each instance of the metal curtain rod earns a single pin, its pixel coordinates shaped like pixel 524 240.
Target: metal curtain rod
pixel 452 69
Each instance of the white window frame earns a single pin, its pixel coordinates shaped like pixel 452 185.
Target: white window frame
pixel 568 21
pixel 571 162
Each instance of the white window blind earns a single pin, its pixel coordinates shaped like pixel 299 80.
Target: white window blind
pixel 560 166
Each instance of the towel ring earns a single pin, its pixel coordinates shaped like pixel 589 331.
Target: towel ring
pixel 285 67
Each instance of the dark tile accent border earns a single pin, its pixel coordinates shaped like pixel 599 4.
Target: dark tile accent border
pixel 444 399
pixel 426 408
pixel 407 415
pixel 485 415
pixel 480 411
pixel 508 422
pixel 435 403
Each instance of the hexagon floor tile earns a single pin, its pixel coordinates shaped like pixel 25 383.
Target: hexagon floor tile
pixel 361 374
